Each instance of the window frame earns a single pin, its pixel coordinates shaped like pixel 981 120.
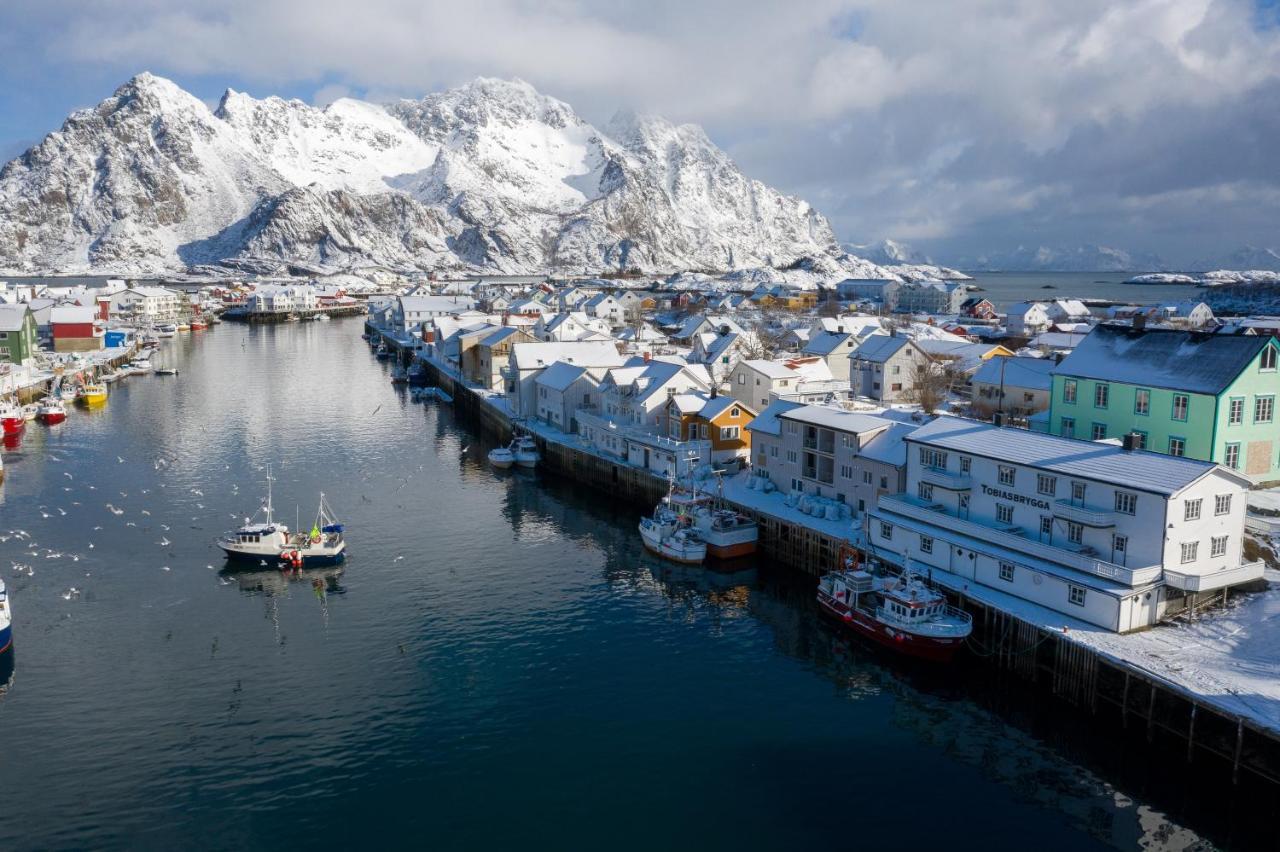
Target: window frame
pixel 1186 407
pixel 1101 395
pixel 1142 402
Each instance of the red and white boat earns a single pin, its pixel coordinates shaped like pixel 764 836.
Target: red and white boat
pixel 901 613
pixel 51 411
pixel 12 420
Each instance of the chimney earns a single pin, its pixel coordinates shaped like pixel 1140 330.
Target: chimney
pixel 998 419
pixel 1130 441
pixel 647 355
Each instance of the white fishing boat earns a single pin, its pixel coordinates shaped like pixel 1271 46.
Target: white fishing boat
pixel 6 620
pixel 670 534
pixel 167 330
pixel 166 371
pixel 269 542
pixel 525 451
pixel 29 411
pixel 139 367
pixel 502 457
pixel 729 534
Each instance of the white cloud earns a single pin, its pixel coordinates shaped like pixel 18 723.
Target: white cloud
pixel 899 119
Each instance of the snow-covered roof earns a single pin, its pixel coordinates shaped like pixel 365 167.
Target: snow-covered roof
pixel 1033 373
pixel 888 446
pixel 560 375
pixel 825 343
pixel 767 421
pixel 434 304
pixel 772 369
pixel 810 369
pixel 530 356
pixel 71 314
pixel 713 408
pixel 498 336
pixel 1178 360
pixel 11 317
pixel 1138 469
pixel 879 348
pixel 836 418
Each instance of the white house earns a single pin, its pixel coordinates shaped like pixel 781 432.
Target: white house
pixel 281 299
pixel 1116 537
pixel 635 395
pixel 150 304
pixel 885 368
pixel 605 306
pixel 562 389
pixel 527 360
pixel 409 312
pixel 1027 319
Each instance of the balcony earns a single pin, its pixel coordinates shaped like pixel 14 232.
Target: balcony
pixel 1078 560
pixel 946 479
pixel 1086 515
pixel 1212 580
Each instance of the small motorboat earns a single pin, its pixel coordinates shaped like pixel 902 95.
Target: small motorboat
pixel 399 375
pixel 138 367
pixel 183 326
pixel 166 371
pixel 51 411
pixel 322 317
pixel 199 324
pixel 525 450
pixel 6 620
pixel 382 353
pixel 502 457
pixel 168 330
pixel 29 411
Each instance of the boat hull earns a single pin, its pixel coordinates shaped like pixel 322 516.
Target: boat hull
pixel 12 425
pixel 735 550
pixel 6 638
pixel 49 418
pixel 272 558
pixel 932 649
pixel 670 555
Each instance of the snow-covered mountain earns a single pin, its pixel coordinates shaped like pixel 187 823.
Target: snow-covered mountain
pixel 889 253
pixel 1248 257
pixel 492 176
pixel 1083 258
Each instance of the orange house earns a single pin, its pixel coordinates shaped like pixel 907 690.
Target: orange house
pixel 722 420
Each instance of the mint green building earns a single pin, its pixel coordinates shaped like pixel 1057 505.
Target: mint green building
pixel 1196 394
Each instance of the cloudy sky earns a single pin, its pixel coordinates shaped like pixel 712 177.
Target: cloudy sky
pixel 963 127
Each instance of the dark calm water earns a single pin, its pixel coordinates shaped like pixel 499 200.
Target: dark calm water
pixel 498 666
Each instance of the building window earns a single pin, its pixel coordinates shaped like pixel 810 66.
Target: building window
pixel 1075 594
pixel 1099 432
pixel 1231 456
pixel 735 412
pixel 792 457
pixel 932 458
pixel 1046 525
pixel 791 426
pixel 1006 572
pixel 1046 484
pixel 773 451
pixel 965 464
pixel 1068 427
pixel 1189 551
pixel 1191 509
pixel 1007 475
pixel 1177 446
pixel 1004 513
pixel 1268 361
pixel 1126 503
pixel 866 477
pixel 846 471
pixel 1218 545
pixel 1101 395
pixel 1264 409
pixel 1075 532
pixel 1180 405
pixel 884 482
pixel 886 530
pixel 1069 391
pixel 926 544
pixel 925 490
pixel 1077 493
pixel 1235 414
pixel 729 433
pixel 1142 401
pixel 742 378
pixel 1222 504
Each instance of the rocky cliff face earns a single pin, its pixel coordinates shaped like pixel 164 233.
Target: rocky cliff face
pixel 489 177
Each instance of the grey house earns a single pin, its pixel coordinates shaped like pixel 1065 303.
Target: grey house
pixel 884 368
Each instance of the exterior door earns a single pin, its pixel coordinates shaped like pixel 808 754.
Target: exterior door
pixel 964 506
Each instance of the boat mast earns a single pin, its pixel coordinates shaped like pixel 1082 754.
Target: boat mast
pixel 268 507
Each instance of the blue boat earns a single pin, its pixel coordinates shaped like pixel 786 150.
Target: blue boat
pixel 6 620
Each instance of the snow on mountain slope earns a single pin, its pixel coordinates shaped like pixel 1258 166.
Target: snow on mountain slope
pixel 491 176
pixel 347 145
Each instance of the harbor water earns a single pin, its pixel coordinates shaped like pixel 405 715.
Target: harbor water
pixel 498 664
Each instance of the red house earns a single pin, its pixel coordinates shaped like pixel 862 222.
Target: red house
pixel 74 328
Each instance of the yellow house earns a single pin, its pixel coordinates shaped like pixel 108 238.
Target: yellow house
pixel 722 420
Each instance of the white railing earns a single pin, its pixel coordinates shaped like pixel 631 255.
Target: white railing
pixel 1245 573
pixel 934 514
pixel 1084 514
pixel 946 479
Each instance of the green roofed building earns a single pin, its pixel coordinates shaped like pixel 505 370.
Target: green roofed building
pixel 1196 394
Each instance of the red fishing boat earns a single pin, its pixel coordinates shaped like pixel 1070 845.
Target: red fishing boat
pixel 901 613
pixel 12 420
